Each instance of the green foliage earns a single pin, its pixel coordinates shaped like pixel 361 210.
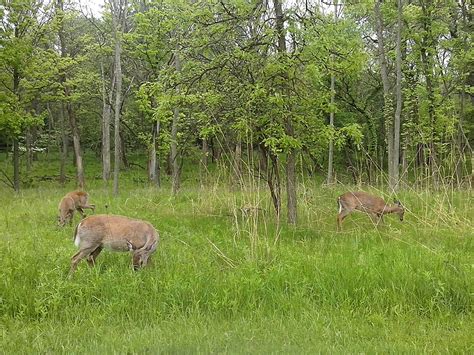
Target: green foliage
pixel 17 50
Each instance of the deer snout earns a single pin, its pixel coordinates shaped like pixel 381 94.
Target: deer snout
pixel 60 221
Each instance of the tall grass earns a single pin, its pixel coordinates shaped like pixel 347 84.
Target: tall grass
pixel 227 278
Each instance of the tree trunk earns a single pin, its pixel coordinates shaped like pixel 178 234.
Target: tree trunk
pixel 76 143
pixel 106 114
pixel 64 145
pixel 153 165
pixel 203 162
pixel 174 139
pixel 427 42
pixel 386 90
pixel 16 148
pixel 118 18
pixel 238 162
pixel 289 129
pixel 331 114
pixel 69 108
pixel 216 150
pixel 272 177
pixel 29 150
pixel 398 90
pixel 16 165
pixel 205 154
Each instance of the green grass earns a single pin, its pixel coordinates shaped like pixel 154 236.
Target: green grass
pixel 223 282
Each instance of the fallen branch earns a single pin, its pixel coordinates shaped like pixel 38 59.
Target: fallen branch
pixel 6 180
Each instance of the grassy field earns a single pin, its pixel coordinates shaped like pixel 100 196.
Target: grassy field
pixel 222 281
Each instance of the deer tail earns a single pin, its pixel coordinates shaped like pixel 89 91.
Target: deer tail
pixel 339 204
pixel 75 237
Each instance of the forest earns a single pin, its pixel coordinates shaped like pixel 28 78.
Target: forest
pixel 232 126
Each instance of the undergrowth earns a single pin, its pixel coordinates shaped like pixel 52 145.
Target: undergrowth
pixel 227 277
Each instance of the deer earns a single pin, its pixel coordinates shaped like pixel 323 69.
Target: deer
pixel 73 201
pixel 374 206
pixel 116 233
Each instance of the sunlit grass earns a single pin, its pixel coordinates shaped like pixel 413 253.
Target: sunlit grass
pixel 226 281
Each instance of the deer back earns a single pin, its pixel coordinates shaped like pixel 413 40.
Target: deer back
pixel 362 201
pixel 118 233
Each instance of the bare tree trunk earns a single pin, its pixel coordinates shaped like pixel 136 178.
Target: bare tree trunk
pixel 427 42
pixel 29 149
pixel 331 114
pixel 153 165
pixel 64 145
pixel 462 141
pixel 398 90
pixel 205 154
pixel 203 162
pixel 16 148
pixel 69 108
pixel 386 90
pixel 119 8
pixel 216 150
pixel 289 130
pixel 76 142
pixel 238 161
pixel 16 165
pixel 174 139
pixel 152 158
pixel 106 114
pixel 272 177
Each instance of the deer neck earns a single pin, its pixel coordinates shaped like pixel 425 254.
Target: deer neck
pixel 390 209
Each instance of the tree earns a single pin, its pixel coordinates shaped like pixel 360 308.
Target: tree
pixel 19 34
pixel 289 129
pixel 68 101
pixel 331 114
pixel 119 14
pixel 387 98
pixel 398 94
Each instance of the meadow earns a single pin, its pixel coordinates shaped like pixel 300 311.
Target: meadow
pixel 226 281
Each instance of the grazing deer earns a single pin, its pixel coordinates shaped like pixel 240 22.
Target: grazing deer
pixel 116 233
pixel 73 201
pixel 374 206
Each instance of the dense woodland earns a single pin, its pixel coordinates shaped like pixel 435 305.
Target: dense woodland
pixel 232 126
pixel 352 91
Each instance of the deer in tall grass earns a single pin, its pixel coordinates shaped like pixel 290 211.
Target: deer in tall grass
pixel 116 233
pixel 73 201
pixel 374 206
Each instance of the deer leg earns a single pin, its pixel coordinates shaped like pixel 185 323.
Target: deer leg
pixel 81 211
pixel 76 258
pixel 92 207
pixel 69 216
pixel 91 258
pixel 340 217
pixel 380 216
pixel 375 217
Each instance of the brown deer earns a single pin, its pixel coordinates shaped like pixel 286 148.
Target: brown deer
pixel 73 201
pixel 374 206
pixel 117 233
